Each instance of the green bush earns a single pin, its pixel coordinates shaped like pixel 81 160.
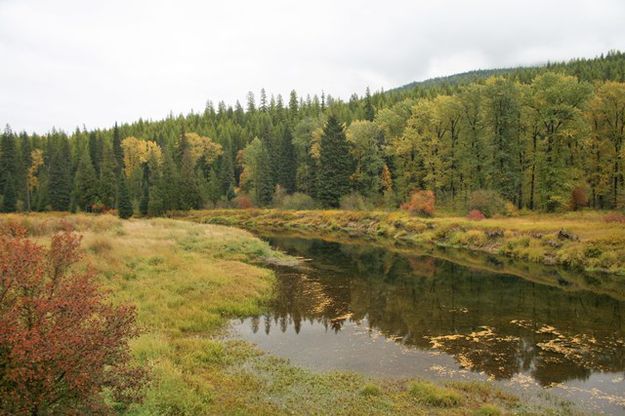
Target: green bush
pixel 433 395
pixel 297 201
pixel 489 203
pixel 354 202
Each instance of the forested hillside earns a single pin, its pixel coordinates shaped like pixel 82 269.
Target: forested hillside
pixel 543 138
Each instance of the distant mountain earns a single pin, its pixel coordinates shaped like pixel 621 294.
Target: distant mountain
pixel 610 66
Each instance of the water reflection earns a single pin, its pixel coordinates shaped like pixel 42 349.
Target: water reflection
pixel 492 324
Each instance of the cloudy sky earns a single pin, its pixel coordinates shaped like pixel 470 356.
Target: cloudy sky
pixel 66 63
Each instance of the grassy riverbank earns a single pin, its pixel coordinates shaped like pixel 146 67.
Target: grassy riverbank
pixel 187 281
pixel 577 240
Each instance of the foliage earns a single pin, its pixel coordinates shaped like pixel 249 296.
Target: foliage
pixel 615 217
pixel 61 343
pixel 297 201
pixel 354 202
pixel 124 205
pixel 530 134
pixel 420 203
pixel 489 203
pixel 243 201
pixel 335 163
pixel 579 198
pixel 476 215
pixel 9 200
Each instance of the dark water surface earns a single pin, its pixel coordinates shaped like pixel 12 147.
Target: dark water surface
pixel 371 310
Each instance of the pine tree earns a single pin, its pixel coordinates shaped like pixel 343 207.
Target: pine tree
pixel 59 183
pixel 335 164
pixel 145 190
pixel 107 184
pixel 124 204
pixel 26 160
pixel 263 182
pixel 85 183
pixel 8 158
pixel 9 199
pixel 118 152
pixel 368 110
pixel 286 161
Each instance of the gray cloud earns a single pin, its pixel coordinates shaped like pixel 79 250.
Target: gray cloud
pixel 69 62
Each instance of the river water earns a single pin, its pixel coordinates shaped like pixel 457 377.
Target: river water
pixel 379 312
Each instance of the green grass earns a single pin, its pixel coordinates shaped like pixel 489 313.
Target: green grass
pixel 187 280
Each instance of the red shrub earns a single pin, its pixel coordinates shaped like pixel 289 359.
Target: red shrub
pixel 243 202
pixel 579 198
pixel 420 203
pixel 476 215
pixel 61 343
pixel 615 217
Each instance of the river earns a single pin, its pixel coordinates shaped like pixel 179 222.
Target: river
pixel 380 312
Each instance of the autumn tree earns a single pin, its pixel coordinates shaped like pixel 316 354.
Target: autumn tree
pixel 606 113
pixel 365 138
pixel 61 341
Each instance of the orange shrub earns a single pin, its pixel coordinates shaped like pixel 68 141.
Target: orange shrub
pixel 615 217
pixel 420 203
pixel 579 198
pixel 476 215
pixel 243 202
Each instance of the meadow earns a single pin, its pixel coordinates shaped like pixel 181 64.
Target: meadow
pixel 187 281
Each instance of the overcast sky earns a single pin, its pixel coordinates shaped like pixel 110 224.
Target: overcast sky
pixel 67 63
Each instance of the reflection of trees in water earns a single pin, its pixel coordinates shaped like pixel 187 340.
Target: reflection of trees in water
pixel 417 299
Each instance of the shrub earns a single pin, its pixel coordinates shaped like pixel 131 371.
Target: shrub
pixel 475 215
pixel 487 202
pixel 61 343
pixel 354 202
pixel 433 395
pixel 243 201
pixel 579 198
pixel 297 201
pixel 420 203
pixel 370 389
pixel 615 217
pixel 278 195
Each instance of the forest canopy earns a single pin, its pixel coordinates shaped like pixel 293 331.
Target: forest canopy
pixel 542 138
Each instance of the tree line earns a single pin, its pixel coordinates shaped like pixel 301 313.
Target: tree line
pixel 545 138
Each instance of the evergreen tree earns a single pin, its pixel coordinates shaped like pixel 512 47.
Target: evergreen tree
pixel 336 165
pixel 59 182
pixel 85 183
pixel 26 159
pixel 368 104
pixel 263 181
pixel 9 197
pixel 145 190
pixel 124 204
pixel 286 161
pixel 8 158
pixel 118 152
pixel 107 184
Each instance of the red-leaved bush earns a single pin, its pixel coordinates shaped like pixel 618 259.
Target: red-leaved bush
pixel 61 342
pixel 579 198
pixel 243 202
pixel 420 203
pixel 476 215
pixel 615 217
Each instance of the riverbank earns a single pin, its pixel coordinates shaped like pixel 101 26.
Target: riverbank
pixel 187 282
pixel 581 241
